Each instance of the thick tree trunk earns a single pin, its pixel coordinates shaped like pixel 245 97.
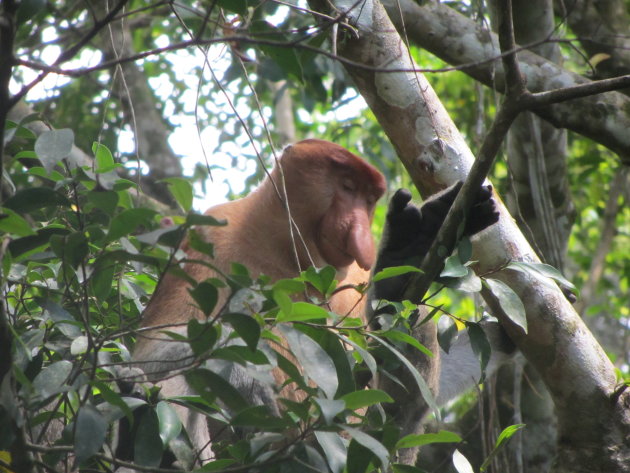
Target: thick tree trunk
pixel 460 41
pixel 594 418
pixel 540 200
pixel 602 28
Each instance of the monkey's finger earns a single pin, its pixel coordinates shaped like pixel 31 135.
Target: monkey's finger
pixel 399 200
pixel 484 216
pixel 484 193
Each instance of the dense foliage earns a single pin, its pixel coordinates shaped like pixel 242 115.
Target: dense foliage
pixel 85 243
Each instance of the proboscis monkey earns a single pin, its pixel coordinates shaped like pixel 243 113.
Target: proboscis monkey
pixel 330 195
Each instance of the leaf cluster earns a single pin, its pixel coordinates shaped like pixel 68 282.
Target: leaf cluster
pixel 81 257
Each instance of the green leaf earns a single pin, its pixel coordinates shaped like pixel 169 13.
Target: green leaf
pixel 480 345
pixel 509 302
pixel 422 385
pixel 148 446
pixel 334 448
pixel 321 279
pixel 170 425
pixel 182 191
pixel 52 379
pixel 62 318
pixel 79 345
pixel 290 286
pixel 89 434
pixel 198 219
pixel 241 354
pixel 337 353
pixel 285 57
pixel 196 242
pixel 367 357
pixel 72 248
pixel 365 398
pixel 418 440
pixel 127 221
pixel 210 385
pixel 101 281
pixel 316 363
pixel 394 271
pixel 27 9
pixel 107 201
pixel 115 406
pixel 215 465
pixel 202 336
pixel 371 444
pixel 35 198
pixel 508 433
pixel 12 223
pixel 502 440
pixel 447 330
pixel 542 270
pixel 245 326
pixel 260 417
pixel 284 302
pixel 103 159
pixel 453 268
pixel 398 336
pixel 464 250
pixel 206 295
pixel 302 311
pixel 22 246
pixel 54 145
pixel 330 408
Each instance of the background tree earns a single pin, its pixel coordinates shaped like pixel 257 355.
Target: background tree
pixel 189 97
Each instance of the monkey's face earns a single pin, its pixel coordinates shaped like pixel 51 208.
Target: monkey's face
pixel 332 194
pixel 344 234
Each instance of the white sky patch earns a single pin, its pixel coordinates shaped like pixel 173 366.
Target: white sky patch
pixel 185 139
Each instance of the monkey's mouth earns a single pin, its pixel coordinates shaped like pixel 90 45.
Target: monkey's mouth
pixel 334 254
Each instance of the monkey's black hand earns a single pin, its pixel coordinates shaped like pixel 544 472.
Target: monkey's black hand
pixel 405 243
pixel 483 212
pixel 410 231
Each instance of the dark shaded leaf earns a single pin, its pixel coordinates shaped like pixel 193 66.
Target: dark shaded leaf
pixel 170 425
pixel 210 385
pixel 148 447
pixel 12 223
pixel 480 345
pixel 202 336
pixel 128 220
pixel 245 326
pixel 365 398
pixel 35 198
pixel 334 449
pixel 314 360
pixel 422 385
pixel 54 145
pixel 89 434
pixel 206 295
pixel 509 301
pixel 52 379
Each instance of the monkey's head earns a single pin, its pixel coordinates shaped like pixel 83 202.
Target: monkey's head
pixel 332 194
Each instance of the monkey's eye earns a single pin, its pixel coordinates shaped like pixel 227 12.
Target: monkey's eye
pixel 348 185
